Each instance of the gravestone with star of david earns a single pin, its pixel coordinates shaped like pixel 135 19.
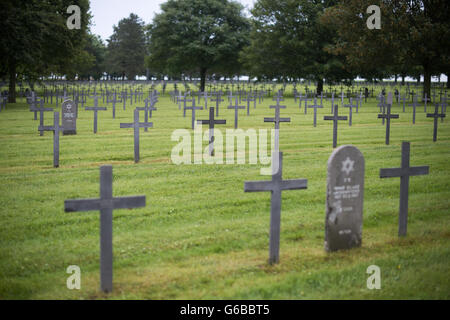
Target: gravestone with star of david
pixel 69 118
pixel 344 203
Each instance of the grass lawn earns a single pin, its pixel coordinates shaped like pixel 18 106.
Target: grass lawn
pixel 200 236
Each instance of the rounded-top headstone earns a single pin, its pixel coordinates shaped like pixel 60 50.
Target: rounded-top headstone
pixel 69 117
pixel 344 204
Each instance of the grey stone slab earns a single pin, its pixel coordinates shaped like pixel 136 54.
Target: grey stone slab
pixel 344 202
pixel 69 118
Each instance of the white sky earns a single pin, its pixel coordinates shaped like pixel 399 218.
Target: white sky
pixel 106 13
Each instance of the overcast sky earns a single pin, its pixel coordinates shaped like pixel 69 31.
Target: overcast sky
pixel 106 13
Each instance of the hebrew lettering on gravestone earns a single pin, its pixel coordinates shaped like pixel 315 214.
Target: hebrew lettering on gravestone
pixel 344 203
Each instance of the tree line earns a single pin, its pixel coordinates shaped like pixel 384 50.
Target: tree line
pixel 287 40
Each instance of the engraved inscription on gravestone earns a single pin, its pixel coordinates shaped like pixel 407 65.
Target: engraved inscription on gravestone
pixel 344 204
pixel 69 119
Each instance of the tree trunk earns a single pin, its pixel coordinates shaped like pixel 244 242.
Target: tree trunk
pixel 202 79
pixel 12 82
pixel 403 80
pixel 448 80
pixel 319 86
pixel 426 80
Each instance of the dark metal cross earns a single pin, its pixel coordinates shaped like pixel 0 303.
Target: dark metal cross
pixel 193 108
pixel 404 173
pixel 435 115
pixel 388 116
pixel 414 106
pixel 350 109
pixel 236 108
pixel 56 128
pixel 315 106
pixel 211 122
pixel 41 110
pixel 95 108
pixel 275 186
pixel 136 125
pixel 335 119
pixel 217 99
pixel 277 121
pixel 148 109
pixel 105 204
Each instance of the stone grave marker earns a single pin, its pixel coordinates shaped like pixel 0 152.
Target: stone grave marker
pixel 69 119
pixel 344 203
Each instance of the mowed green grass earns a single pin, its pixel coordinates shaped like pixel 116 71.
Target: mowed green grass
pixel 200 236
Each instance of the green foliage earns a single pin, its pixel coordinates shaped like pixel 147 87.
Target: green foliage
pixel 35 39
pixel 197 37
pixel 127 48
pixel 287 40
pixel 413 33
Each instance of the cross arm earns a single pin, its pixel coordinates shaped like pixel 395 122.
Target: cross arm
pixel 294 184
pixel 129 202
pixel 255 186
pixel 145 124
pixel 390 172
pixel 127 125
pixel 220 121
pixel 81 205
pixel 418 171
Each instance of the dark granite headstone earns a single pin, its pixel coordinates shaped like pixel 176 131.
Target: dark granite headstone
pixel 69 119
pixel 344 204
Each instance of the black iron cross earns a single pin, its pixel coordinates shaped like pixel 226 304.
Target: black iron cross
pixel 236 108
pixel 350 107
pixel 275 186
pixel 315 106
pixel 404 173
pixel 105 204
pixel 148 109
pixel 136 125
pixel 41 110
pixel 56 128
pixel 95 108
pixel 435 115
pixel 335 119
pixel 277 121
pixel 388 116
pixel 211 122
pixel 193 108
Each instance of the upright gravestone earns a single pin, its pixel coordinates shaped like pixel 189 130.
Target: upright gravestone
pixel 69 119
pixel 344 204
